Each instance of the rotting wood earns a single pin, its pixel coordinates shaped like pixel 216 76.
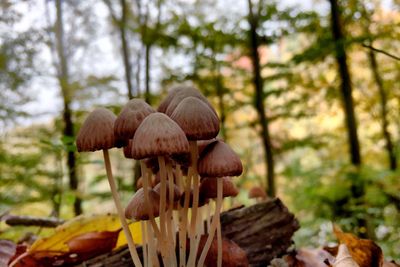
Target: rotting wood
pixel 263 230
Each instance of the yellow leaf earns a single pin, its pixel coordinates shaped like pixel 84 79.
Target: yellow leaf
pixel 57 242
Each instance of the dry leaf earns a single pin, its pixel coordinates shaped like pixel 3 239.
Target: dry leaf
pixel 7 251
pixel 344 259
pixel 365 252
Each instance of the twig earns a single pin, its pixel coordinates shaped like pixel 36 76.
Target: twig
pixel 381 51
pixel 14 220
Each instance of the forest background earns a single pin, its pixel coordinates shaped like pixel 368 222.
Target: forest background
pixel 308 94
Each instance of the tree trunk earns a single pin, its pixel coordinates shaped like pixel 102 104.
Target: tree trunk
pixel 259 101
pixel 346 86
pixel 384 112
pixel 125 49
pixel 147 95
pixel 68 131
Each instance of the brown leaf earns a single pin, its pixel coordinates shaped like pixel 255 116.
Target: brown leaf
pixel 390 264
pixel 309 258
pixel 7 251
pixel 365 252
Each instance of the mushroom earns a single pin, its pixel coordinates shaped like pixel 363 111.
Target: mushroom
pixel 258 193
pixel 199 122
pixel 138 210
pixel 159 136
pixel 217 160
pixel 97 133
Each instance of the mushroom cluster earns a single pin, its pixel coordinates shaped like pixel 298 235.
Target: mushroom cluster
pixel 185 174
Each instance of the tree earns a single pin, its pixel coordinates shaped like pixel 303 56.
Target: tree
pixel 259 96
pixel 346 86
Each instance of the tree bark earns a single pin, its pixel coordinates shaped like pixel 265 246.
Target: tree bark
pixel 68 131
pixel 259 100
pixel 125 49
pixel 384 112
pixel 346 86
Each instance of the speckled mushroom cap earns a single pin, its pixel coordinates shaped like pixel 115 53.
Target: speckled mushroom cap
pixel 196 119
pixel 256 192
pixel 208 187
pixel 182 94
pixel 218 160
pixel 130 117
pixel 97 132
pixel 177 192
pixel 158 135
pixel 136 209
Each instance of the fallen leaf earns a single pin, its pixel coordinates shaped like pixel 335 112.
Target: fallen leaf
pixel 365 252
pixel 7 251
pixel 390 264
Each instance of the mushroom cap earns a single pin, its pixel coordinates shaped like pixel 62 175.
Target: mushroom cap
pixel 184 93
pixel 97 131
pixel 257 191
pixel 202 200
pixel 232 254
pixel 177 192
pixel 130 117
pixel 202 144
pixel 218 160
pixel 171 94
pixel 196 119
pixel 158 135
pixel 208 187
pixel 128 150
pixel 136 208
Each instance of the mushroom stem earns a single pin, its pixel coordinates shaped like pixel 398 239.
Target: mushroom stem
pixel 152 253
pixel 170 225
pixel 182 218
pixel 145 247
pixel 214 224
pixel 193 233
pixel 120 211
pixel 146 174
pixel 208 216
pixel 163 199
pixel 185 217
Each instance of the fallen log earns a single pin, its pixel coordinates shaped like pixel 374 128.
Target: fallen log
pixel 263 230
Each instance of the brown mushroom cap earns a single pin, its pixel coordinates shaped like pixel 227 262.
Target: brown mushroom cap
pixel 177 192
pixel 136 208
pixel 171 94
pixel 158 135
pixel 232 254
pixel 196 119
pixel 128 150
pixel 97 132
pixel 218 160
pixel 256 192
pixel 202 144
pixel 202 200
pixel 208 187
pixel 130 117
pixel 182 94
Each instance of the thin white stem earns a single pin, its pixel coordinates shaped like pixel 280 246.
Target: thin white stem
pixel 214 224
pixel 171 232
pixel 120 211
pixel 145 248
pixel 219 240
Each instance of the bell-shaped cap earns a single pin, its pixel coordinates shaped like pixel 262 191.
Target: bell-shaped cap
pixel 196 119
pixel 177 192
pixel 128 150
pixel 232 254
pixel 97 132
pixel 158 135
pixel 202 144
pixel 257 192
pixel 218 160
pixel 202 200
pixel 130 117
pixel 137 210
pixel 182 94
pixel 208 187
pixel 171 94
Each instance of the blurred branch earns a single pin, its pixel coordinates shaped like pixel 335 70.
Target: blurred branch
pixel 14 220
pixel 381 51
